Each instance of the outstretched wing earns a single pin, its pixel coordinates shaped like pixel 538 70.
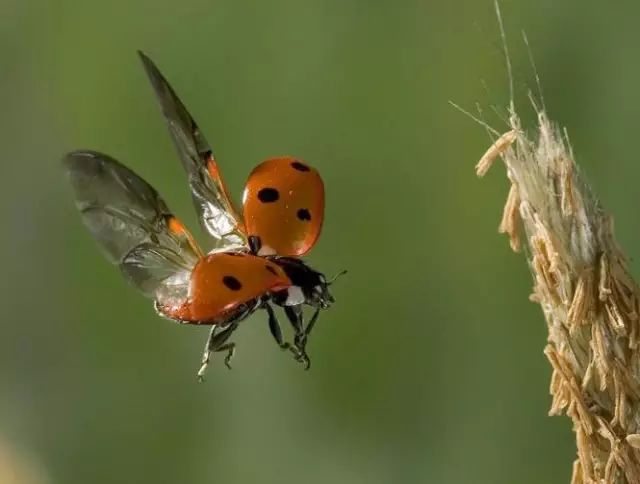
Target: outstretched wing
pixel 133 225
pixel 216 211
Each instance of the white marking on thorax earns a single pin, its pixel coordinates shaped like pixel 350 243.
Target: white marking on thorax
pixel 295 296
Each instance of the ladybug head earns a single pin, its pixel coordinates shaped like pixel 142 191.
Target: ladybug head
pixel 319 295
pixel 316 291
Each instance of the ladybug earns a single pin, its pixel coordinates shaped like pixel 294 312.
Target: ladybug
pixel 255 262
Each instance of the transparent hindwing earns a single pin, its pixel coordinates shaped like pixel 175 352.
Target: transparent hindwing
pixel 216 211
pixel 134 226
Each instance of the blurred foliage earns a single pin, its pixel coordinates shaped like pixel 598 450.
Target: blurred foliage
pixel 430 367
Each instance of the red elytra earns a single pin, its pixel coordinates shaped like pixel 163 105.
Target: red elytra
pixel 222 281
pixel 284 206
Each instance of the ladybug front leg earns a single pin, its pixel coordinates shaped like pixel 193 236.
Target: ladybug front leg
pixel 295 316
pixel 307 331
pixel 216 343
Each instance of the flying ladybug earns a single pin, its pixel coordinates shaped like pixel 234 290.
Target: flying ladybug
pixel 256 260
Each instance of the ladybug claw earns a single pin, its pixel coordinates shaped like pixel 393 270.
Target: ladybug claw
pixel 303 358
pixel 216 343
pixel 203 368
pixel 231 351
pixel 299 354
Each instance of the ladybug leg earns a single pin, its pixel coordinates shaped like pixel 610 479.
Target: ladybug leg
pixel 276 332
pixel 294 314
pixel 310 326
pixel 216 343
pixel 301 341
pixel 206 354
pixel 274 327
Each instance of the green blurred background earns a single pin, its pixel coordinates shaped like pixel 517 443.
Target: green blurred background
pixel 429 368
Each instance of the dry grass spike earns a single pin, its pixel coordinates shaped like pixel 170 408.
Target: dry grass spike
pixel 580 280
pixel 590 302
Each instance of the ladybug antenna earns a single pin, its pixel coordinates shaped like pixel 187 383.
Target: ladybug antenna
pixel 341 273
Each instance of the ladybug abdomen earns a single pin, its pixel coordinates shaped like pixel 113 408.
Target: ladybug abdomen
pixel 222 282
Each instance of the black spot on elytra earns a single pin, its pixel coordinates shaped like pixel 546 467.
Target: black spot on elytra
pixel 232 283
pixel 303 214
pixel 300 166
pixel 268 195
pixel 272 270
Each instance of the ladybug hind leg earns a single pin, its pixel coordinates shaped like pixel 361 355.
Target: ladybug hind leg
pixel 217 342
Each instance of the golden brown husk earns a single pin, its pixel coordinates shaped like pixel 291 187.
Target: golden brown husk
pixel 589 300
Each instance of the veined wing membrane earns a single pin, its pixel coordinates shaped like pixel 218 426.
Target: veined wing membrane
pixel 216 211
pixel 133 225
